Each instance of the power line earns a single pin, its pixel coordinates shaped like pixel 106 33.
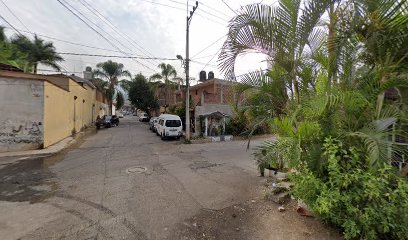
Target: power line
pixel 116 56
pixel 69 42
pixel 181 9
pixel 15 29
pixel 230 7
pixel 12 13
pixel 211 59
pixel 201 63
pixel 209 13
pixel 214 9
pixel 206 56
pixel 209 45
pixel 105 33
pixel 123 45
pixel 116 29
pixel 96 31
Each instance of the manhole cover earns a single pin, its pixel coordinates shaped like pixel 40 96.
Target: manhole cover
pixel 136 170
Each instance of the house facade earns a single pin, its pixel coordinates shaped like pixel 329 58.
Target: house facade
pixel 41 110
pixel 210 106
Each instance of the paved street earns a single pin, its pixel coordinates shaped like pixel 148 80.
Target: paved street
pixel 126 183
pixel 96 190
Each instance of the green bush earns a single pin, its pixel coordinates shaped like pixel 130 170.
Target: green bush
pixel 367 203
pixel 236 125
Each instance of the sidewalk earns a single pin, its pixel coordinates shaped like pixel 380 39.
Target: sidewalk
pixel 47 151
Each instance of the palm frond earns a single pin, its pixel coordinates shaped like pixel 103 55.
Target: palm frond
pixel 378 140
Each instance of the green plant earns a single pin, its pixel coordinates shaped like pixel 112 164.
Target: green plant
pixel 237 125
pixel 111 72
pixel 38 52
pixel 141 94
pixel 338 79
pixel 367 203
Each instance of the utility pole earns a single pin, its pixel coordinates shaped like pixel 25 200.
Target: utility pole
pixel 187 70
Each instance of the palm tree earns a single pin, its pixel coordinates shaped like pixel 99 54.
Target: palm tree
pixel 283 33
pixel 111 71
pixel 3 37
pixel 37 52
pixel 167 71
pixel 9 54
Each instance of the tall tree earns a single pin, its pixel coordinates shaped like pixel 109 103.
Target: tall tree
pixel 167 72
pixel 141 94
pixel 120 100
pixel 38 52
pixel 111 72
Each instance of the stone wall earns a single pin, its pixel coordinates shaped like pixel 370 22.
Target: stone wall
pixel 21 117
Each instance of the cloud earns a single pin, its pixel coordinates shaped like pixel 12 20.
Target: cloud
pixel 158 29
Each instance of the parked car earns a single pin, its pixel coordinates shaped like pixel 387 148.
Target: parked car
pixel 169 126
pixel 115 120
pixel 144 117
pixel 107 121
pixel 152 124
pixel 120 115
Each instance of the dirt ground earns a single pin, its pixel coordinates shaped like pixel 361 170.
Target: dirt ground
pixel 254 219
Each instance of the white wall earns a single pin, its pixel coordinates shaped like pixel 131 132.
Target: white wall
pixel 21 114
pixel 207 109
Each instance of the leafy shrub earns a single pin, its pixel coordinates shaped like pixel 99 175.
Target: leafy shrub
pixel 367 203
pixel 236 125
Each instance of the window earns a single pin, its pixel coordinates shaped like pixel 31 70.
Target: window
pixel 173 123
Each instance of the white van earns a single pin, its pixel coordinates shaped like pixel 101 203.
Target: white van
pixel 169 126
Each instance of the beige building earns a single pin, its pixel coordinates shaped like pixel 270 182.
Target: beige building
pixel 41 110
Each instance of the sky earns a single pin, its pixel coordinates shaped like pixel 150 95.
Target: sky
pixel 147 28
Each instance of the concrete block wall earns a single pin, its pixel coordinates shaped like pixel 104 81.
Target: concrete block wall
pixel 21 118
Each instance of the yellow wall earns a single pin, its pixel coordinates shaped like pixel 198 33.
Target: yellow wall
pixel 63 115
pixel 58 119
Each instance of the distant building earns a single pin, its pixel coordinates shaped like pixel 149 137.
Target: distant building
pixel 211 100
pixel 166 96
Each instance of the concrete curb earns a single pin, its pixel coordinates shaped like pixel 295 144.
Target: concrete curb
pixel 61 145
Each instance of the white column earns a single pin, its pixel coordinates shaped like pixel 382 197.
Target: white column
pixel 223 125
pixel 206 126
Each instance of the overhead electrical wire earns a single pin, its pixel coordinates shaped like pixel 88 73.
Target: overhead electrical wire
pixel 214 9
pixel 205 48
pixel 116 56
pixel 69 42
pixel 206 56
pixel 201 63
pixel 12 13
pixel 181 9
pixel 96 31
pixel 15 29
pixel 209 13
pixel 211 59
pixel 108 35
pixel 97 13
pixel 230 7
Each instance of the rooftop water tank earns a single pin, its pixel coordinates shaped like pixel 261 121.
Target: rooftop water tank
pixel 210 75
pixel 203 76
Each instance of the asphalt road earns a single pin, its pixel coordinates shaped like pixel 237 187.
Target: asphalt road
pixel 123 183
